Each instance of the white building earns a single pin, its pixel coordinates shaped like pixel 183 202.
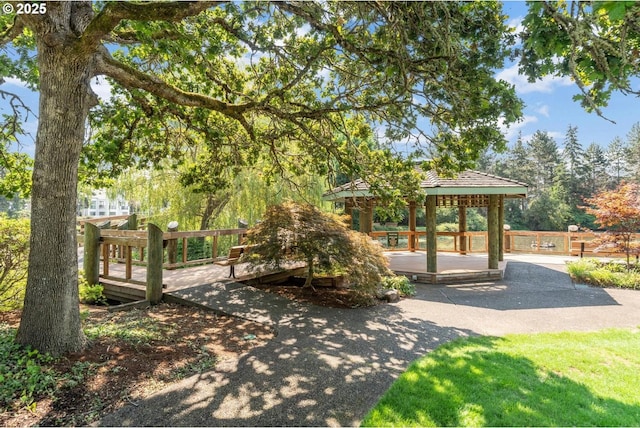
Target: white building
pixel 101 206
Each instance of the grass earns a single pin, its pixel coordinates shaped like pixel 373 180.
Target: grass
pixel 563 379
pixel 604 274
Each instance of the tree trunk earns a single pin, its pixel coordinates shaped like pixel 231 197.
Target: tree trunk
pixel 51 317
pixel 308 281
pixel 214 204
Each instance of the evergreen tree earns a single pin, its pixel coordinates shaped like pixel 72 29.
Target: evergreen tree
pixel 543 160
pixel 595 175
pixel 633 152
pixel 617 158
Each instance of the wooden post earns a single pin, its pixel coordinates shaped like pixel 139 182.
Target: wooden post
pixel 462 227
pixel 172 244
pixel 132 221
pixel 154 263
pixel 214 247
pixel 366 217
pixel 493 232
pixel 348 210
pixel 432 239
pixel 501 228
pixel 91 263
pixel 412 226
pixel 127 261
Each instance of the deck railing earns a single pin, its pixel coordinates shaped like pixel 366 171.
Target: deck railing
pixel 155 249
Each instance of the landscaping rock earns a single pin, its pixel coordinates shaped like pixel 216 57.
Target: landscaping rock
pixel 391 296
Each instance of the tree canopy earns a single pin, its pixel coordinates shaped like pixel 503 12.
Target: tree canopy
pixel 596 43
pixel 300 83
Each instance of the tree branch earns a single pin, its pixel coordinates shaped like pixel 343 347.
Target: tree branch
pixel 131 78
pixel 12 31
pixel 114 12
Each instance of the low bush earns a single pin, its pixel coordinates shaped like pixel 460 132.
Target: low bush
pixel 604 273
pixel 400 283
pixel 90 294
pixel 14 256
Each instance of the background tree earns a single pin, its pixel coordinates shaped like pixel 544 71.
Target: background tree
pixel 14 252
pixel 596 166
pixel 543 158
pixel 618 211
pixel 301 232
pixel 617 159
pixel 633 151
pixel 285 76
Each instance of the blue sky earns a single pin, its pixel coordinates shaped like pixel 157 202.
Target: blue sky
pixel 549 105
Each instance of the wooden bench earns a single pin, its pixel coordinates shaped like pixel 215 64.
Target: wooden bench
pixel 582 248
pixel 235 253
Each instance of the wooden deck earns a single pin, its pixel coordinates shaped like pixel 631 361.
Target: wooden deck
pixel 452 268
pixel 115 288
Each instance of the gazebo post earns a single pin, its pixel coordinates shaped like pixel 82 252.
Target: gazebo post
pixel 493 232
pixel 348 210
pixel 366 216
pixel 462 227
pixel 412 226
pixel 501 228
pixel 432 247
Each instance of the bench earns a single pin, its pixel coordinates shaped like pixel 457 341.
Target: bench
pixel 582 248
pixel 235 253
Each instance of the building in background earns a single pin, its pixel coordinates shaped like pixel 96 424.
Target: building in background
pixel 100 205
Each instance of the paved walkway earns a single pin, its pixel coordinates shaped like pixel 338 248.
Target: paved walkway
pixel 328 367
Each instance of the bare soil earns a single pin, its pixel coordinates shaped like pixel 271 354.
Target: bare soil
pixel 113 371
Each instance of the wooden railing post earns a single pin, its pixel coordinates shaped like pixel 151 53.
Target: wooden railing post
pixel 132 221
pixel 154 263
pixel 91 263
pixel 172 244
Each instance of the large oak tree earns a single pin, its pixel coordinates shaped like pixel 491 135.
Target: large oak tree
pixel 293 81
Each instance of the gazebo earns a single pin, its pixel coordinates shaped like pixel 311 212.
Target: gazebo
pixel 470 189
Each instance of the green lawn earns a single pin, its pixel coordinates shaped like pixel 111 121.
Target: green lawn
pixel 563 379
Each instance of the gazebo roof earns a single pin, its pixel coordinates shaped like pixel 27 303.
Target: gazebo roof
pixel 468 188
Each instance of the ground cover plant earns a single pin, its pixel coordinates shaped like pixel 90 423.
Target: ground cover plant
pixel 559 379
pixel 605 273
pixel 131 355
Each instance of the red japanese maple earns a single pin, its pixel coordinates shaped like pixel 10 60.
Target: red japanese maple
pixel 618 211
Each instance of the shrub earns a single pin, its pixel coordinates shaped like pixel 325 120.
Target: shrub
pixel 90 294
pixel 400 283
pixel 604 274
pixel 14 256
pixel 303 233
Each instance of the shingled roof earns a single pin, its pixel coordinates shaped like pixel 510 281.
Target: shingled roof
pixel 466 183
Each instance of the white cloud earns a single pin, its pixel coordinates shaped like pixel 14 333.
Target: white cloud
pixel 546 85
pixel 15 82
pixel 516 22
pixel 101 87
pixel 512 130
pixel 543 110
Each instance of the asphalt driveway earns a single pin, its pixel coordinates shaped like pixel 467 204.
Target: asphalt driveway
pixel 328 367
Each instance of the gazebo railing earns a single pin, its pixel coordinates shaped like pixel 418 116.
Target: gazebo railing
pixel 515 241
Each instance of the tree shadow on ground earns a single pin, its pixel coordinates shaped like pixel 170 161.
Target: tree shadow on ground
pixel 326 367
pixel 487 387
